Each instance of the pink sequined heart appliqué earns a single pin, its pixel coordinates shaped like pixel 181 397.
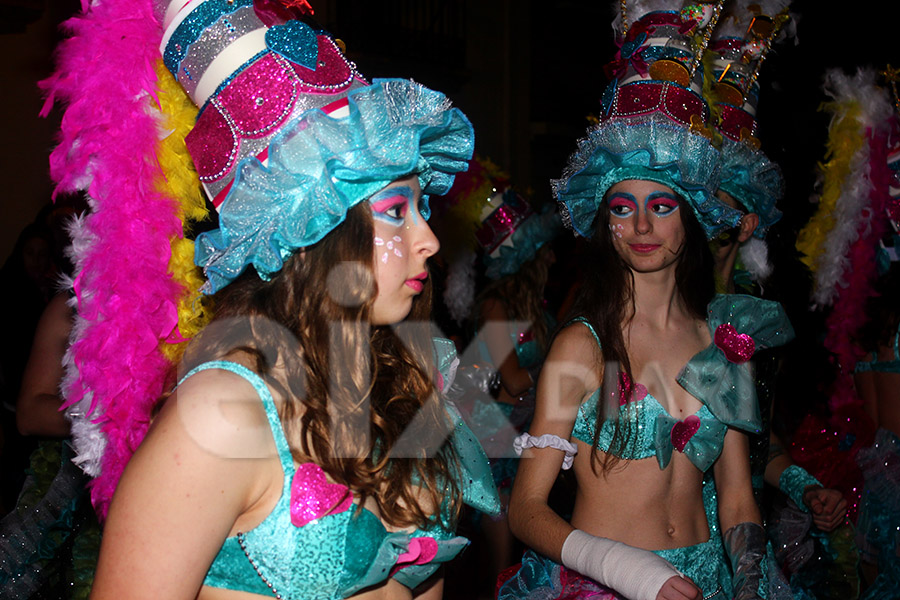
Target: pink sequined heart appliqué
pixel 313 496
pixel 738 347
pixel 683 431
pixel 629 391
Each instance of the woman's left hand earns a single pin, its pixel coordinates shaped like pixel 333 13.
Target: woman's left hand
pixel 827 506
pixel 679 588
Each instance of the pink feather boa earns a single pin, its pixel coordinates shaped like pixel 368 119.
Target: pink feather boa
pixel 126 296
pixel 849 312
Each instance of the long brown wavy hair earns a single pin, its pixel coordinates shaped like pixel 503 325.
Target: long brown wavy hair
pixel 361 399
pixel 606 301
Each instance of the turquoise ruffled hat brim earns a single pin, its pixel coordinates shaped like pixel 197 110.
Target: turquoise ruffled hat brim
pixel 653 148
pixel 756 182
pixel 319 167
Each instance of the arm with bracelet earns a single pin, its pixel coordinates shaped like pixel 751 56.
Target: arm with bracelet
pixel 739 518
pixel 569 376
pixel 514 379
pixel 827 506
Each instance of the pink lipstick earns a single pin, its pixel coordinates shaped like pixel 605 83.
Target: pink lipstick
pixel 417 283
pixel 644 248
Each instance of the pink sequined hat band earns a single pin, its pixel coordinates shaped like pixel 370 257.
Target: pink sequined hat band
pixel 648 97
pixel 502 215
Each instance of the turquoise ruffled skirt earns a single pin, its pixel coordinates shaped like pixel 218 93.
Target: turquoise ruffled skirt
pixel 539 578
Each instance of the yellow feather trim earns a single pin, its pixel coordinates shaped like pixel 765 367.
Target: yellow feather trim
pixel 844 141
pixel 180 182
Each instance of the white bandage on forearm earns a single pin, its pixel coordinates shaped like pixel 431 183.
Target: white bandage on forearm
pixel 635 573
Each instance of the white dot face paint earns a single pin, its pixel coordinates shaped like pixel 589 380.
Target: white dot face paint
pixel 392 246
pixel 402 243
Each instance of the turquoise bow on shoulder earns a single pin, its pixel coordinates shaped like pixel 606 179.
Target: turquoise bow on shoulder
pixel 718 375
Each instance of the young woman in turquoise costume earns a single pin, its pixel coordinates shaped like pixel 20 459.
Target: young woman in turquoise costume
pixel 647 393
pixel 877 381
pixel 306 450
pixel 513 333
pixel 754 185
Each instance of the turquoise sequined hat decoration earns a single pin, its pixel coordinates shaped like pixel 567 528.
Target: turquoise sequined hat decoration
pixel 654 122
pixel 289 135
pixel 650 148
pixel 753 180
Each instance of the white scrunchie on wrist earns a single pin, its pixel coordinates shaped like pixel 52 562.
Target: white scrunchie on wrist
pixel 633 572
pixel 548 440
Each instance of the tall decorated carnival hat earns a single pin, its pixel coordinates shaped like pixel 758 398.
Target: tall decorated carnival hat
pixel 655 123
pixel 740 44
pixel 512 231
pixel 487 220
pixel 251 102
pixel 281 182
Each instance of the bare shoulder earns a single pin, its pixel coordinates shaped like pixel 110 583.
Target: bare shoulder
pixel 572 371
pixel 576 344
pixel 211 437
pixel 223 413
pixel 54 326
pixel 206 463
pixel 59 311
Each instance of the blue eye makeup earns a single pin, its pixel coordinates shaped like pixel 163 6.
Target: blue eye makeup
pixel 391 205
pixel 425 207
pixel 662 204
pixel 622 205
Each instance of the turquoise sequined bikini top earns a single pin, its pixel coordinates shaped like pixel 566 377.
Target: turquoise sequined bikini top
pixel 717 376
pixel 656 432
pixel 314 545
pixel 882 366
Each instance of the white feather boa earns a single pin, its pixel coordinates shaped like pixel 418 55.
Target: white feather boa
pixel 851 213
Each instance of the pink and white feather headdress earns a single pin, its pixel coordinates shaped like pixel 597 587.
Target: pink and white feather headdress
pixel 840 241
pixel 121 142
